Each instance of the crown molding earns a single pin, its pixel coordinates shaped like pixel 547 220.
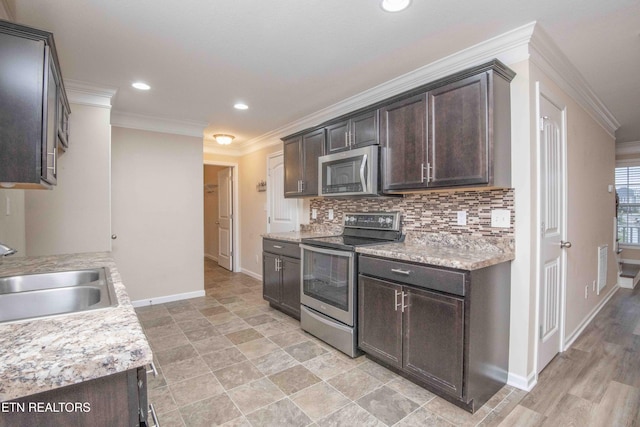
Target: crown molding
pixel 626 148
pixel 157 124
pixel 6 11
pixel 546 54
pixel 89 94
pixel 510 47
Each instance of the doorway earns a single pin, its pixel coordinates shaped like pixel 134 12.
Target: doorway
pixel 282 214
pixel 221 217
pixel 552 206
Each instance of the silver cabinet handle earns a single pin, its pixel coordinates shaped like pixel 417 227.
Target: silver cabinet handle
pixel 395 303
pixel 277 246
pixel 403 272
pixel 152 370
pixel 152 411
pixel 362 178
pixel 346 139
pixel 403 306
pixel 54 160
pixel 421 172
pixel 565 245
pixel 276 264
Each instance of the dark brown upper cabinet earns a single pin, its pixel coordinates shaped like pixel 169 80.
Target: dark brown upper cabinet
pixel 455 134
pixel 34 110
pixel 301 154
pixel 354 132
pixel 404 143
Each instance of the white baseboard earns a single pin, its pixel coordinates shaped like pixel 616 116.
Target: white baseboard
pixel 211 257
pixel 574 336
pixel 523 383
pixel 251 274
pixel 168 298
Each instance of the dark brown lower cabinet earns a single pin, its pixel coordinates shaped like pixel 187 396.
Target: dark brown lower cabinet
pixel 281 276
pixel 115 400
pixel 418 331
pixel 446 330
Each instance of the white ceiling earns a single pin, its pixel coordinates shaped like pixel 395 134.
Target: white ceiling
pixel 290 58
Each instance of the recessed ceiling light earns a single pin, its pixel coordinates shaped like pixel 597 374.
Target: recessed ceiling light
pixel 395 5
pixel 241 106
pixel 141 86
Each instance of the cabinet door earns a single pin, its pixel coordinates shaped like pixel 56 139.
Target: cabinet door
pixel 270 278
pixel 403 136
pixel 380 319
pixel 50 126
pixel 21 97
pixel 433 339
pixel 364 129
pixel 337 137
pixel 292 166
pixel 290 295
pixel 458 133
pixel 313 145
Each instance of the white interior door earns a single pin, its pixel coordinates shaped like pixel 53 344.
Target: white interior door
pixel 282 213
pixel 225 219
pixel 552 229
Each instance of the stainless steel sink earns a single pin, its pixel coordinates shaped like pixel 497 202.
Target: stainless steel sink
pixel 37 295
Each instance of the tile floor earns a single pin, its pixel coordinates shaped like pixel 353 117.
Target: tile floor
pixel 229 359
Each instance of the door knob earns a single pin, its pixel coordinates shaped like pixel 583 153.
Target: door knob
pixel 114 236
pixel 565 245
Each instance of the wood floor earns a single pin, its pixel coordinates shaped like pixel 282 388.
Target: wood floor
pixel 597 381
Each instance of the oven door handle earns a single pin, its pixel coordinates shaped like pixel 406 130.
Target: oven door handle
pixel 362 177
pixel 336 252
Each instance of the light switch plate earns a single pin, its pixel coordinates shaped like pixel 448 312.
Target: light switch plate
pixel 501 218
pixel 330 213
pixel 314 213
pixel 462 217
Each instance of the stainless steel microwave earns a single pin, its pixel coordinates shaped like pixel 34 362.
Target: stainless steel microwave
pixel 349 173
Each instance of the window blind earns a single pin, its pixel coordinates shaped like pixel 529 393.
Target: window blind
pixel 628 190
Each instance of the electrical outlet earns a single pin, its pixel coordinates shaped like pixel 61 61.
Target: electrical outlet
pixel 314 213
pixel 330 213
pixel 462 217
pixel 501 218
pixel 257 259
pixel 586 292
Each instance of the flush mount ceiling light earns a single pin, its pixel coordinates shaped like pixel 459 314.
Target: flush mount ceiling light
pixel 395 5
pixel 141 86
pixel 223 139
pixel 241 106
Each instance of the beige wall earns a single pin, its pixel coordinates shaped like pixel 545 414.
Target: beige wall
pixel 12 226
pixel 76 215
pixel 590 167
pixel 591 208
pixel 211 240
pixel 158 214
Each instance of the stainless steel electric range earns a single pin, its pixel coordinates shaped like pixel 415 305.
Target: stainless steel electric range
pixel 329 273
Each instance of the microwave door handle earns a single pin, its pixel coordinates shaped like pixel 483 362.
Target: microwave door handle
pixel 362 178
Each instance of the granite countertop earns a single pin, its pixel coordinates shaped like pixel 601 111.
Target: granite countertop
pixel 446 250
pixel 297 236
pixel 44 354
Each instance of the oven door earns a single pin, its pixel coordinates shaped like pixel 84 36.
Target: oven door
pixel 328 279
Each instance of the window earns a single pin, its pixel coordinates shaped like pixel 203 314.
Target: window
pixel 628 191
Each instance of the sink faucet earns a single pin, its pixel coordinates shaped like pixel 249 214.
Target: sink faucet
pixel 6 251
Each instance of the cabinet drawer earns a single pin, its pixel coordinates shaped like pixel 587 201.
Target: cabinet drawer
pixel 279 247
pixel 422 276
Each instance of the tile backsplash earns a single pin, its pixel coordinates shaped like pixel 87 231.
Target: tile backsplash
pixel 434 212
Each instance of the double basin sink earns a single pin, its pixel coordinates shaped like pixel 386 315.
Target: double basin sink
pixel 30 296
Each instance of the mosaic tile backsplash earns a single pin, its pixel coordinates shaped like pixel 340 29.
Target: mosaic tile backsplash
pixel 434 212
